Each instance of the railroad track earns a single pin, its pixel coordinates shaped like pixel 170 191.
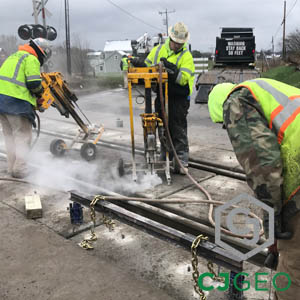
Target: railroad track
pixel 171 217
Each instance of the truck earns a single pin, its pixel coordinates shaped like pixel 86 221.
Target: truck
pixel 142 46
pixel 234 61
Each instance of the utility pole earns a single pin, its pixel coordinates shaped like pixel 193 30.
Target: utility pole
pixel 166 12
pixel 43 13
pixel 283 35
pixel 35 13
pixel 68 46
pixel 273 50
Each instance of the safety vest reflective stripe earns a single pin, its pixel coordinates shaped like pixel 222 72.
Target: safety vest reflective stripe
pixel 283 119
pixel 284 114
pixel 180 74
pixel 12 80
pixel 148 61
pixel 179 57
pixel 186 70
pixel 17 69
pixel 274 113
pixel 33 77
pixel 156 54
pixel 287 122
pixel 280 97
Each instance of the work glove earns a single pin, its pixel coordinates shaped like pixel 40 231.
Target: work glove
pixel 137 62
pixel 271 260
pixel 39 103
pixel 171 69
pixel 280 229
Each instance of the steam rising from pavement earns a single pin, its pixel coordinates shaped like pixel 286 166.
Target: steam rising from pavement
pixel 57 173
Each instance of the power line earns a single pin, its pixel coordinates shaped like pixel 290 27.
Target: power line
pixel 279 27
pixel 292 8
pixel 166 12
pixel 131 15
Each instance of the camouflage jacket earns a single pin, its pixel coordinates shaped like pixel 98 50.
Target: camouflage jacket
pixel 258 151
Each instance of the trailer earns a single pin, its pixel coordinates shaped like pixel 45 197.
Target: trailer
pixel 234 61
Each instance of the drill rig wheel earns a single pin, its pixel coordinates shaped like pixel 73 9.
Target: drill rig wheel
pixel 58 147
pixel 88 151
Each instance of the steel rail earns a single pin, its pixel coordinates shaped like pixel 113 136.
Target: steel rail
pixel 166 217
pixel 206 249
pixel 193 163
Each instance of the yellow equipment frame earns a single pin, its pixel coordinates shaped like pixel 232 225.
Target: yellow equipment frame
pixel 150 120
pixel 57 94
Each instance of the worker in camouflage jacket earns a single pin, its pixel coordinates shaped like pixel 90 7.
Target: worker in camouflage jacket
pixel 178 61
pixel 263 123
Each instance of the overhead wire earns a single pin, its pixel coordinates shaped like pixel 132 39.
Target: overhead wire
pixel 288 13
pixel 133 16
pixel 291 8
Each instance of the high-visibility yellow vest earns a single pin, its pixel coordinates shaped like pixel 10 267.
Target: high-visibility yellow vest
pixel 125 64
pixel 183 60
pixel 216 98
pixel 17 69
pixel 281 106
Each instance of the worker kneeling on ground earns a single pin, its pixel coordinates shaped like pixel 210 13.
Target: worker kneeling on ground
pixel 263 123
pixel 180 66
pixel 20 87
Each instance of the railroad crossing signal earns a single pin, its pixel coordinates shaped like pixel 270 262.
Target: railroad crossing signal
pixel 36 30
pixel 33 31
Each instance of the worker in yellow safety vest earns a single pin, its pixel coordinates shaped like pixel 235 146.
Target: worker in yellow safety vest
pixel 20 87
pixel 262 118
pixel 179 63
pixel 124 68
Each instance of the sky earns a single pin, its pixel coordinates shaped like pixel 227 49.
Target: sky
pixel 96 21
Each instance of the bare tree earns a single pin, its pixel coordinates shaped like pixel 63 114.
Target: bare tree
pixel 293 42
pixel 79 57
pixel 293 46
pixel 8 43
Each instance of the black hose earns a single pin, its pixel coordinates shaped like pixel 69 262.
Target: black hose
pixel 38 130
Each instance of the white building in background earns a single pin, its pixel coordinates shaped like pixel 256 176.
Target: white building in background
pixel 96 61
pixel 113 52
pixel 108 60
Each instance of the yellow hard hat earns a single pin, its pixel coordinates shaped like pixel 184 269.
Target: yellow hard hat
pixel 179 33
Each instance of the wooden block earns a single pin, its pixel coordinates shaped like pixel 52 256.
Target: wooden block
pixel 33 206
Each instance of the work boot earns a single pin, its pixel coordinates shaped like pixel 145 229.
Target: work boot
pixel 183 171
pixel 177 169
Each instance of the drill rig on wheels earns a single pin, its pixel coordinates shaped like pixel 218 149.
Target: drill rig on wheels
pixel 57 94
pixel 151 77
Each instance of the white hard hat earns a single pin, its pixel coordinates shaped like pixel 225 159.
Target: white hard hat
pixel 43 46
pixel 179 33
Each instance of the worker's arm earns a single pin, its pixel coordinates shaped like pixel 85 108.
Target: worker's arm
pixel 255 146
pixel 32 76
pixel 186 69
